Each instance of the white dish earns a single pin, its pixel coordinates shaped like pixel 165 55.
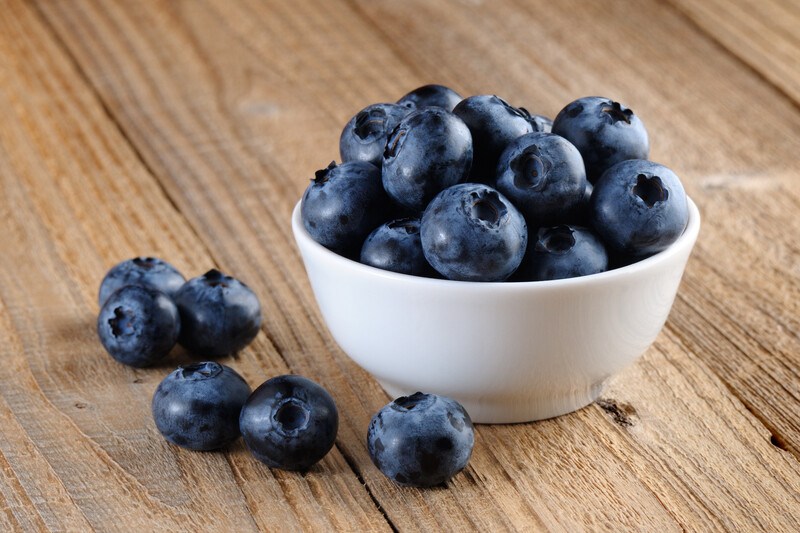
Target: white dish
pixel 509 352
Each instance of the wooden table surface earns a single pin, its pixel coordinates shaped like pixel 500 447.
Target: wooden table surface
pixel 188 130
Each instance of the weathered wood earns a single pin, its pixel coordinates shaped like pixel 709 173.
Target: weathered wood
pixel 205 117
pixel 78 449
pixel 763 34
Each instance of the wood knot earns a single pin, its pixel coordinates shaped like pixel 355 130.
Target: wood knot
pixel 623 414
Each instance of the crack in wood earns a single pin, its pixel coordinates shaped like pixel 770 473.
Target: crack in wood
pixel 623 414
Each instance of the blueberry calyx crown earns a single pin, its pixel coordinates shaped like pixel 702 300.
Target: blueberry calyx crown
pixel 370 124
pixel 530 169
pixel 617 112
pixel 516 111
pixel 558 240
pixel 487 207
pixel 410 225
pixel 321 175
pixel 407 403
pixel 200 371
pixel 538 122
pixel 215 278
pixel 145 262
pixel 394 142
pixel 122 322
pixel 650 190
pixel 291 416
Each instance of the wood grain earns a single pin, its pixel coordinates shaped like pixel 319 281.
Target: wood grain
pixel 78 449
pixel 763 34
pixel 189 129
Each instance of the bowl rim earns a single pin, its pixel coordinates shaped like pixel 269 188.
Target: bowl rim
pixel 686 240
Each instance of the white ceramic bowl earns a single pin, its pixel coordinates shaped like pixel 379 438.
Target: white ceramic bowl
pixel 509 352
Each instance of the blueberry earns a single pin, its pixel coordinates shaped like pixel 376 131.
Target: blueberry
pixel 543 175
pixel 396 246
pixel 343 204
pixel 431 96
pixel 428 151
pixel 605 132
pixel 494 123
pixel 289 422
pixel 563 251
pixel 197 406
pixel 471 232
pixel 364 136
pixel 421 440
pixel 138 325
pixel 219 314
pixel 639 207
pixel 143 271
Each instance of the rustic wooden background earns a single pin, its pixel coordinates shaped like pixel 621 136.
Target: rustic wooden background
pixel 188 129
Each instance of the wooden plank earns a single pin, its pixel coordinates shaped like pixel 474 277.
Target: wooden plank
pixel 78 449
pixel 762 33
pixel 741 303
pixel 232 104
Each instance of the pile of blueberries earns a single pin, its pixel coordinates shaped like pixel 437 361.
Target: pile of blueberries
pixel 289 422
pixel 475 189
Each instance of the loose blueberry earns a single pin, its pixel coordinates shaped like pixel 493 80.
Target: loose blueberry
pixel 343 204
pixel 639 207
pixel 143 271
pixel 138 326
pixel 421 440
pixel 431 96
pixel 563 251
pixel 289 422
pixel 430 150
pixel 197 406
pixel 219 314
pixel 471 232
pixel 397 246
pixel 605 132
pixel 364 136
pixel 494 123
pixel 543 175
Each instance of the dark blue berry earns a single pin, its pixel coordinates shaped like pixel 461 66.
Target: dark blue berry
pixel 604 131
pixel 397 246
pixel 543 175
pixel 364 136
pixel 421 440
pixel 138 326
pixel 343 204
pixel 494 123
pixel 431 96
pixel 563 252
pixel 639 207
pixel 143 271
pixel 219 314
pixel 289 422
pixel 428 151
pixel 198 406
pixel 471 232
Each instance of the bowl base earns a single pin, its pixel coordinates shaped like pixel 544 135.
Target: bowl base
pixel 516 410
